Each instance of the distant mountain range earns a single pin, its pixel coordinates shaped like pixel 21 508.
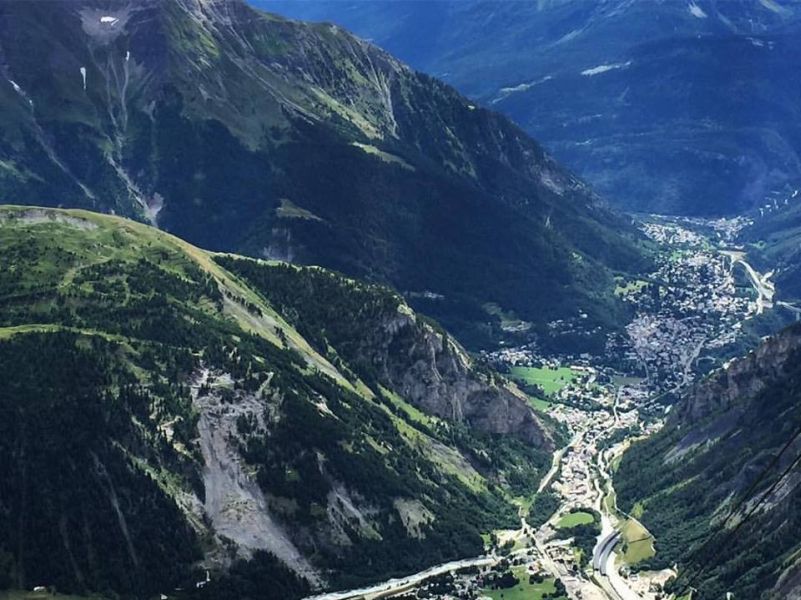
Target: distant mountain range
pixel 719 486
pixel 687 107
pixel 167 411
pixel 242 131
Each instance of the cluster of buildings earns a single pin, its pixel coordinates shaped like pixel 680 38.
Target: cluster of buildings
pixel 693 307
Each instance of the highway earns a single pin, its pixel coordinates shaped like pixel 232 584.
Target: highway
pixel 557 461
pixel 765 289
pixel 603 549
pixel 603 556
pixel 577 473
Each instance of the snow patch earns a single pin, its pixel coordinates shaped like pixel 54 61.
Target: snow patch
pixel 696 11
pixel 757 43
pixel 775 7
pixel 604 68
pixel 103 27
pixel 504 92
pixel 20 91
pixel 569 36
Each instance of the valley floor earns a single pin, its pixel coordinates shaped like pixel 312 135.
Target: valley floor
pixel 689 315
pixel 694 312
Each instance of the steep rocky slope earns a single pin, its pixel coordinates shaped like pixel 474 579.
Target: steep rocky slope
pixel 167 411
pixel 663 106
pixel 386 344
pixel 710 485
pixel 242 131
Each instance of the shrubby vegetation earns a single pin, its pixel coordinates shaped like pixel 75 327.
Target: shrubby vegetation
pixel 346 326
pixel 349 328
pixel 67 410
pixel 261 578
pixel 542 508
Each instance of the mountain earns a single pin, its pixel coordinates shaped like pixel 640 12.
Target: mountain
pixel 241 131
pixel 719 485
pixel 166 411
pixel 684 107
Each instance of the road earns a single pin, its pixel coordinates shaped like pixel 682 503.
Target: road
pixel 394 585
pixel 791 307
pixel 604 549
pixel 557 461
pixel 765 289
pixel 687 366
pixel 618 584
pixel 586 478
pixel 604 557
pixel 607 584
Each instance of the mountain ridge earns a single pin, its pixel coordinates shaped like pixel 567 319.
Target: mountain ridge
pixel 190 426
pixel 712 135
pixel 246 132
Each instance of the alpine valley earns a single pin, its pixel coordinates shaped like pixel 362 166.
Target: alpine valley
pixel 282 318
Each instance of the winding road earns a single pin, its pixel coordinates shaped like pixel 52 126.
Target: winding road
pixel 765 289
pixel 557 461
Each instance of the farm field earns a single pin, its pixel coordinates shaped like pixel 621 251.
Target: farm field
pixel 524 590
pixel 574 520
pixel 550 380
pixel 638 543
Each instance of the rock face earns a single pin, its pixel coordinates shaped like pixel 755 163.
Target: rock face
pixel 435 374
pixel 743 379
pixel 729 445
pixel 242 131
pixel 401 351
pixel 235 507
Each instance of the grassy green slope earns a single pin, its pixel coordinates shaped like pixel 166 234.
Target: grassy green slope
pixel 774 242
pixel 106 329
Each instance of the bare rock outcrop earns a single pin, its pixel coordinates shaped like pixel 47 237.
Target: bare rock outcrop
pixel 743 379
pixel 430 370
